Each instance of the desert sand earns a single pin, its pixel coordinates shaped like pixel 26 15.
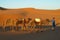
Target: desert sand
pixel 45 35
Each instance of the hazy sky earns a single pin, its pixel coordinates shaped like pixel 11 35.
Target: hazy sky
pixel 41 4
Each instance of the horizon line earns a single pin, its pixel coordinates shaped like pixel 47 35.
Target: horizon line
pixel 33 8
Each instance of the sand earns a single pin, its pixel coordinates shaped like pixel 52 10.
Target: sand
pixel 45 35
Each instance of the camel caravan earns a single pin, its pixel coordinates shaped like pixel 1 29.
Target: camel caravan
pixel 16 22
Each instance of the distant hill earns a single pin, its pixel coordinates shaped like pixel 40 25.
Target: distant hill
pixel 1 8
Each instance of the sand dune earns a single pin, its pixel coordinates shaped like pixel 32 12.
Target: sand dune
pixel 28 13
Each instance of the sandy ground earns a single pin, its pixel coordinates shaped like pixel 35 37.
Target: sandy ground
pixel 46 35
